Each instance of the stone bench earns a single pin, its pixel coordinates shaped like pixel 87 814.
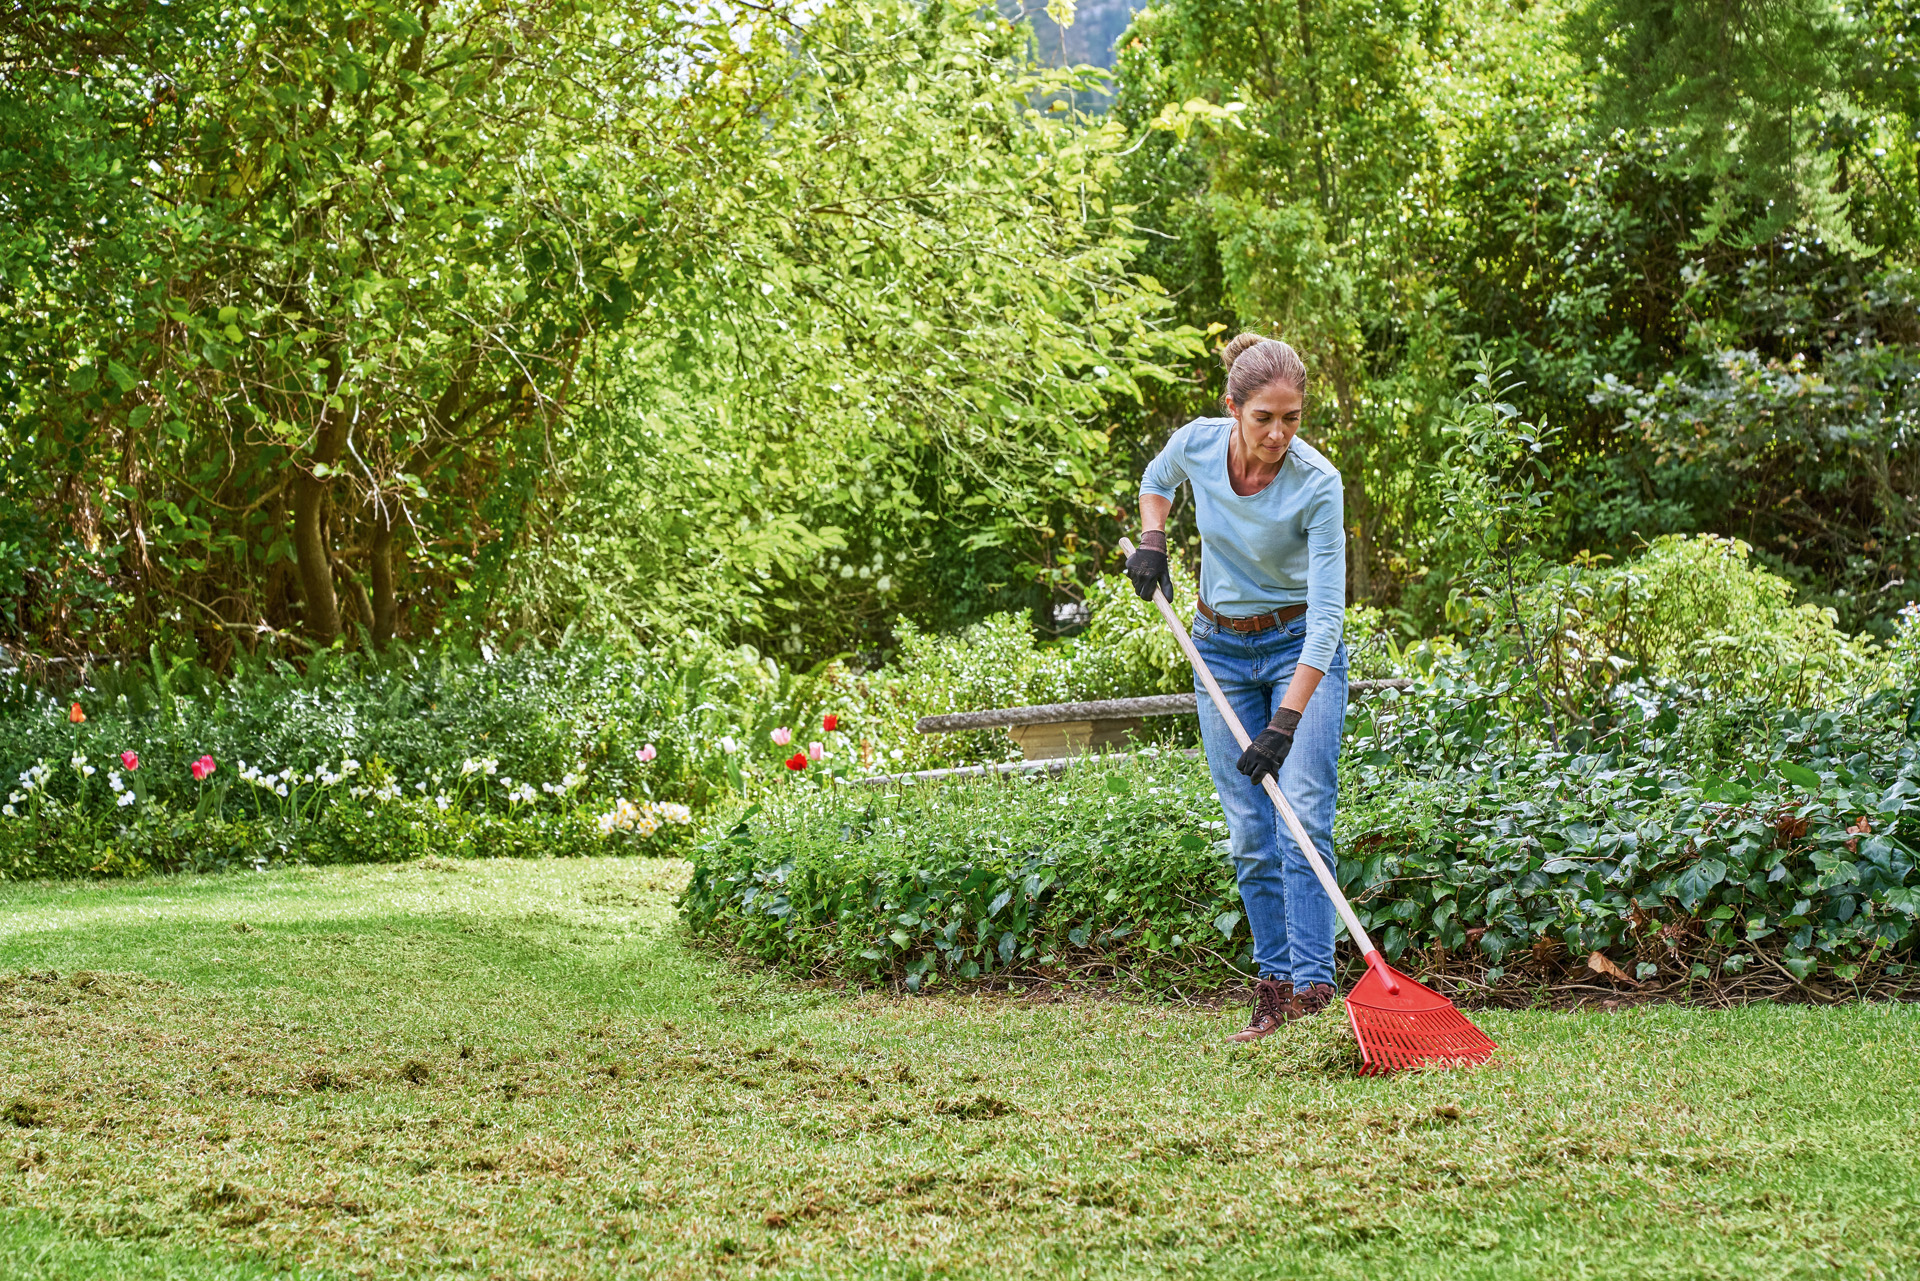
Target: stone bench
pixel 1052 731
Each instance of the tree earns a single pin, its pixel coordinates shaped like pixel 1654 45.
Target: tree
pixel 296 293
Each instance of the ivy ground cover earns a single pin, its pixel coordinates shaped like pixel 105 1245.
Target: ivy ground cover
pixel 1693 847
pixel 515 1067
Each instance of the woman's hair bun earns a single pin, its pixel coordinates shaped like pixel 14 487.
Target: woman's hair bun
pixel 1231 352
pixel 1254 362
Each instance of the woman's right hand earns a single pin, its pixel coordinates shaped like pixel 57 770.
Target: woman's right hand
pixel 1147 567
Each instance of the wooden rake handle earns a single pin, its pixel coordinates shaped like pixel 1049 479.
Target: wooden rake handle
pixel 1356 931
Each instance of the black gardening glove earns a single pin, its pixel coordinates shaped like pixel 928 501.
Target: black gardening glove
pixel 1267 753
pixel 1147 567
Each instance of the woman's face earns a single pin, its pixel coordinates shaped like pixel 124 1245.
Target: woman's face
pixel 1268 421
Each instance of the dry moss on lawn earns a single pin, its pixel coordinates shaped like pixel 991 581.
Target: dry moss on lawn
pixel 521 1070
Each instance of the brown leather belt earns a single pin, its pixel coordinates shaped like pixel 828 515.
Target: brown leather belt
pixel 1258 623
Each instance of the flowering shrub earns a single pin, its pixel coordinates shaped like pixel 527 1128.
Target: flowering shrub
pixel 643 820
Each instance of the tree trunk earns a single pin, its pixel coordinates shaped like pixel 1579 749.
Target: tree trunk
pixel 310 513
pixel 385 608
pixel 1359 508
pixel 310 551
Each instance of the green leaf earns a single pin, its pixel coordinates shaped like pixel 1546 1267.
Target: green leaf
pixel 1227 923
pixel 1799 775
pixel 1699 880
pixel 1798 966
pixel 1118 785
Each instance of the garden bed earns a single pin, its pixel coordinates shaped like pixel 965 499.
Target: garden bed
pixel 1732 855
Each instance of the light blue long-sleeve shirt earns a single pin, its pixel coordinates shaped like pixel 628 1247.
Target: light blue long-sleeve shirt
pixel 1259 552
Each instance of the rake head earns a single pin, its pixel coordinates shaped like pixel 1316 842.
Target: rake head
pixel 1401 1024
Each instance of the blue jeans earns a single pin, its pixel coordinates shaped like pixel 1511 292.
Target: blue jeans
pixel 1289 914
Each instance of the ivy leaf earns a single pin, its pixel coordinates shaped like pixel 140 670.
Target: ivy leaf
pixel 1799 775
pixel 1227 922
pixel 1699 880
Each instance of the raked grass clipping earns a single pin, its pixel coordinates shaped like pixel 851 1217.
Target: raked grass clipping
pixel 522 1068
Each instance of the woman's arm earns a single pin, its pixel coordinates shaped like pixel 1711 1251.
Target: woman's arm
pixel 1300 689
pixel 1153 512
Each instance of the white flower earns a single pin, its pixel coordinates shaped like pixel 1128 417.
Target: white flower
pixel 7 809
pixel 421 787
pixel 570 781
pixel 113 781
pixel 468 766
pixel 895 754
pixel 349 766
pixel 126 798
pixel 87 771
pixel 489 765
pixel 443 801
pixel 505 781
pixel 279 789
pixel 728 745
pixel 521 794
pixel 78 760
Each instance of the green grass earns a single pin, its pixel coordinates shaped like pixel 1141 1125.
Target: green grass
pixel 519 1069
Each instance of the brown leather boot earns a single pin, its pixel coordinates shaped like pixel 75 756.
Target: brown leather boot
pixel 1312 999
pixel 1272 1001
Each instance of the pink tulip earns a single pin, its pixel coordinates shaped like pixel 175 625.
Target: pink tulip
pixel 202 768
pixel 782 736
pixel 645 754
pixel 815 752
pixel 129 761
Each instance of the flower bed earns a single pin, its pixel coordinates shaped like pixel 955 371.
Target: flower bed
pixel 1682 842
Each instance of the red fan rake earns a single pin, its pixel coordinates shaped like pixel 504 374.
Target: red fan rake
pixel 1398 1022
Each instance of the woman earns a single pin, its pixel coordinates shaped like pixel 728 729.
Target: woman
pixel 1273 572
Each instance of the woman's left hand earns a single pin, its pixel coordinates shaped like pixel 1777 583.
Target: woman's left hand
pixel 1267 753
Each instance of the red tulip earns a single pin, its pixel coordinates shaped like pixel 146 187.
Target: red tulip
pixel 77 716
pixel 797 761
pixel 129 761
pixel 831 723
pixel 201 768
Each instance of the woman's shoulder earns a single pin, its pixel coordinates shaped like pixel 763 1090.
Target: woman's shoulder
pixel 1202 432
pixel 1313 460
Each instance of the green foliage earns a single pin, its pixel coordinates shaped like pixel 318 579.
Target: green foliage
pixel 1681 833
pixel 887 395
pixel 1109 873
pixel 381 298
pixel 1426 181
pixel 64 844
pixel 1693 611
pixel 1818 452
pixel 1708 835
pixel 1777 104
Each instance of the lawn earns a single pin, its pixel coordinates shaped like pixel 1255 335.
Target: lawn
pixel 521 1069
